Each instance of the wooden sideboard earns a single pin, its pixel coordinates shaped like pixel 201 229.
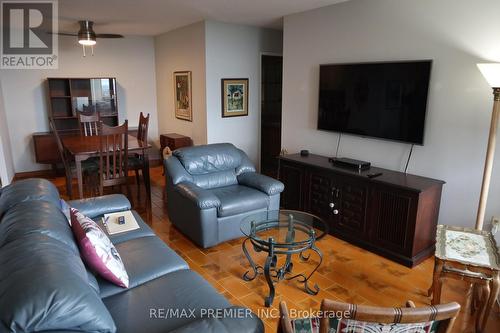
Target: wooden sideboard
pixel 174 141
pixel 394 215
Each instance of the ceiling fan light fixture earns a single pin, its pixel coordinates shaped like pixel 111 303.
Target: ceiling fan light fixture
pixel 87 42
pixel 86 35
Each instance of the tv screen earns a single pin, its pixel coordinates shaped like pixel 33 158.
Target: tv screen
pixel 385 100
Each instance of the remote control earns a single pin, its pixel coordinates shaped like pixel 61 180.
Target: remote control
pixel 373 175
pixel 121 219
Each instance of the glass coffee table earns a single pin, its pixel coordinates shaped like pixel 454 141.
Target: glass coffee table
pixel 284 232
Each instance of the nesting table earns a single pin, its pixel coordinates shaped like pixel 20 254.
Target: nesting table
pixel 472 256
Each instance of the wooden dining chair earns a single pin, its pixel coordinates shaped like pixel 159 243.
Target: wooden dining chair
pixel 113 156
pixel 136 161
pixel 88 167
pixel 89 123
pixel 345 317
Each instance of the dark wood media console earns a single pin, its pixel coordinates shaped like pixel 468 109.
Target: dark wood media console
pixel 394 215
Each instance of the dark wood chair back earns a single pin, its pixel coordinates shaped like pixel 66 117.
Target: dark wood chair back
pixel 442 315
pixel 62 152
pixel 113 155
pixel 65 158
pixel 89 123
pixel 142 131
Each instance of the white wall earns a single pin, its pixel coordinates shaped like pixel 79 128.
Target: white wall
pixel 456 35
pixel 234 51
pixel 130 60
pixel 6 164
pixel 182 49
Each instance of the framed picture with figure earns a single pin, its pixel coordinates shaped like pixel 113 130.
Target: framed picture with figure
pixel 234 97
pixel 182 95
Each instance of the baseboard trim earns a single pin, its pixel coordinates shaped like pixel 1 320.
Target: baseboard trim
pixel 34 174
pixel 153 162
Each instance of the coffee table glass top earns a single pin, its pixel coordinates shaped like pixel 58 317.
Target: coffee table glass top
pixel 467 246
pixel 284 226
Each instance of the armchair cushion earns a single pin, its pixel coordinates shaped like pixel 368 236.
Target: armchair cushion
pixel 238 199
pixel 199 160
pixel 202 198
pixel 175 172
pixel 266 184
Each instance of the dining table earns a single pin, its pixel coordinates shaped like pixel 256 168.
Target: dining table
pixel 83 147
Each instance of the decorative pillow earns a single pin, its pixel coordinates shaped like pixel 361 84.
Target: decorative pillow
pixel 97 250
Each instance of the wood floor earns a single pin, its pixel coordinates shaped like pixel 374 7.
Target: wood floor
pixel 347 273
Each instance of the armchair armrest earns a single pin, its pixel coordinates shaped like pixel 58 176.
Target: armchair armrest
pixel 202 198
pixel 265 184
pixel 105 204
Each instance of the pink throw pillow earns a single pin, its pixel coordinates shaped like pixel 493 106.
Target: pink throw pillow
pixel 97 250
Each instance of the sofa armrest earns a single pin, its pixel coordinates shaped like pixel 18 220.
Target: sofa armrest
pixel 265 184
pixel 97 206
pixel 233 319
pixel 202 198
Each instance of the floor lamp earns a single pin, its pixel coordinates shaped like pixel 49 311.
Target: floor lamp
pixel 491 73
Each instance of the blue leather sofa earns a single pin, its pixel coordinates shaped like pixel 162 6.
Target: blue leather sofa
pixel 45 286
pixel 211 188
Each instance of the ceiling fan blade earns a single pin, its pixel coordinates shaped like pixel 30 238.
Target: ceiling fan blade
pixel 109 36
pixel 61 33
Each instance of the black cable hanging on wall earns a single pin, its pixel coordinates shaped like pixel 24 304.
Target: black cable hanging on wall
pixel 409 157
pixel 338 145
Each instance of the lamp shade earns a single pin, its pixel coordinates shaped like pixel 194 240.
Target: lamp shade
pixel 491 73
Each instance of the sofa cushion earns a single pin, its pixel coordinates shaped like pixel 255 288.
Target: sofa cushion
pixel 36 217
pixel 45 286
pixel 27 190
pixel 145 259
pixel 98 206
pixel 235 319
pixel 237 199
pixel 199 160
pixel 97 250
pixel 143 306
pixel 143 231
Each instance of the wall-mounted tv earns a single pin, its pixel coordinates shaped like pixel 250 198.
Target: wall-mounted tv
pixel 386 100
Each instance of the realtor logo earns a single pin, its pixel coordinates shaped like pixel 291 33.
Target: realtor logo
pixel 28 34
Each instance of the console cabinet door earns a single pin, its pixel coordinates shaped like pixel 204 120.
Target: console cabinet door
pixel 323 196
pixel 293 178
pixel 392 214
pixel 353 207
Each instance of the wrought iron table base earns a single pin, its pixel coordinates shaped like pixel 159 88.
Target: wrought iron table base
pixel 274 274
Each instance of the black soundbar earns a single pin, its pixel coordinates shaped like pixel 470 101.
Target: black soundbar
pixel 349 163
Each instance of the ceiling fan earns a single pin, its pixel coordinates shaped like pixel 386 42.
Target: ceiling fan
pixel 87 36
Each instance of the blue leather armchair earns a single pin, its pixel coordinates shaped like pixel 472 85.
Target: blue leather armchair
pixel 211 188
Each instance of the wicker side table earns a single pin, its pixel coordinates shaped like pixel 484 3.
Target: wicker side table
pixel 472 256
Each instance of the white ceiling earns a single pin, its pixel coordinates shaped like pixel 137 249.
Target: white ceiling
pixel 153 17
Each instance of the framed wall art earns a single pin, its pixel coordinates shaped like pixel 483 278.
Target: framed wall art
pixel 234 97
pixel 182 95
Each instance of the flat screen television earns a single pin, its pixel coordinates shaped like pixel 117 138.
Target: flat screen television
pixel 386 100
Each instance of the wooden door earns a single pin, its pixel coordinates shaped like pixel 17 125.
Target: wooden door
pixel 271 84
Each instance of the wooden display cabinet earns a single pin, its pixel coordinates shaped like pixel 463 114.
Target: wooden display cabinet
pixel 67 97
